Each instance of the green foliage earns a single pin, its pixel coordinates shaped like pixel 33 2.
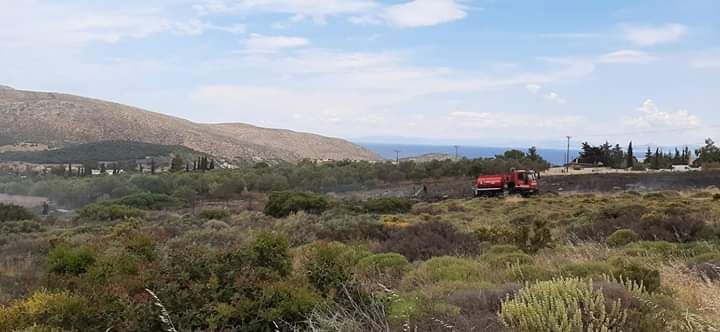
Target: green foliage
pixel 562 305
pixel 622 237
pixel 270 251
pixel 443 269
pixel 217 214
pixel 387 205
pixel 56 312
pixel 107 212
pixel 329 266
pixel 529 233
pixel 146 201
pixel 631 269
pixel 64 259
pixel 11 212
pixel 282 204
pixel 386 269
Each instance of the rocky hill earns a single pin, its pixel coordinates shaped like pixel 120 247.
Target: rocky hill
pixel 59 120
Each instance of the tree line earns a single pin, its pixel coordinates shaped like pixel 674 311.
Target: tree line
pixel 615 156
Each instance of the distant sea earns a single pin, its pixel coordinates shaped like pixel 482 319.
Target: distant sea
pixel 387 151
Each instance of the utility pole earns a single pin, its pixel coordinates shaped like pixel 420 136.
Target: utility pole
pixel 567 155
pixel 397 157
pixel 457 147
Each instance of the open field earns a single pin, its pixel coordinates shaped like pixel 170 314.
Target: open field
pixel 646 262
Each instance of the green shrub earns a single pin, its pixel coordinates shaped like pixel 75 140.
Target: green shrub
pixel 64 259
pixel 443 269
pixel 652 248
pixel 282 204
pixel 716 197
pixel 562 305
pixel 12 212
pixel 217 214
pixel 55 311
pixel 108 212
pixel 142 245
pixel 270 251
pixel 622 237
pixel 329 266
pixel 147 201
pixel 630 269
pixel 388 205
pixel 285 303
pixel 386 269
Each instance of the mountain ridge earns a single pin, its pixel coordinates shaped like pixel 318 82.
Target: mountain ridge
pixel 59 119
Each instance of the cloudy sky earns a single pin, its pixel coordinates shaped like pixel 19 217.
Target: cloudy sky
pixel 482 72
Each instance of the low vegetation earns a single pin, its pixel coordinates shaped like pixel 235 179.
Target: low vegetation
pixel 306 261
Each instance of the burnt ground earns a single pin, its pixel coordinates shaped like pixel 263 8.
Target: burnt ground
pixel 458 188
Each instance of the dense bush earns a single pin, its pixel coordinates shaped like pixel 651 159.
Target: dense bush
pixel 329 266
pixel 47 311
pixel 562 305
pixel 65 259
pixel 282 204
pixel 270 251
pixel 425 240
pixel 147 201
pixel 444 269
pixel 385 269
pixel 216 214
pixel 11 212
pixel 676 224
pixel 622 237
pixel 529 233
pixel 108 212
pixel 630 269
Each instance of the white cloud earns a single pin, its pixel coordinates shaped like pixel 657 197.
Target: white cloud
pixel 534 89
pixel 317 10
pixel 499 120
pixel 553 97
pixel 626 56
pixel 415 13
pixel 43 24
pixel 269 44
pixel 652 117
pixel 422 13
pixel 652 35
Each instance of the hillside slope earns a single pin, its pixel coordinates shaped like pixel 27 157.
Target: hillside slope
pixel 59 119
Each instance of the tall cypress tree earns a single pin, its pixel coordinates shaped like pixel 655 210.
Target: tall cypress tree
pixel 630 156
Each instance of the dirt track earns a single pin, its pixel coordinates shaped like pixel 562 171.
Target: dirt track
pixel 457 188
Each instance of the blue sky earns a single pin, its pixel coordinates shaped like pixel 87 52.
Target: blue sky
pixel 475 72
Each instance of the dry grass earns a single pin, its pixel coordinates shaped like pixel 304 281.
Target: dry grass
pixel 693 290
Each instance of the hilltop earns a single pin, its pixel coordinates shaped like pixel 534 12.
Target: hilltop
pixel 59 120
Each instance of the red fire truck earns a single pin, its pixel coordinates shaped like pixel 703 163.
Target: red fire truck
pixel 523 182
